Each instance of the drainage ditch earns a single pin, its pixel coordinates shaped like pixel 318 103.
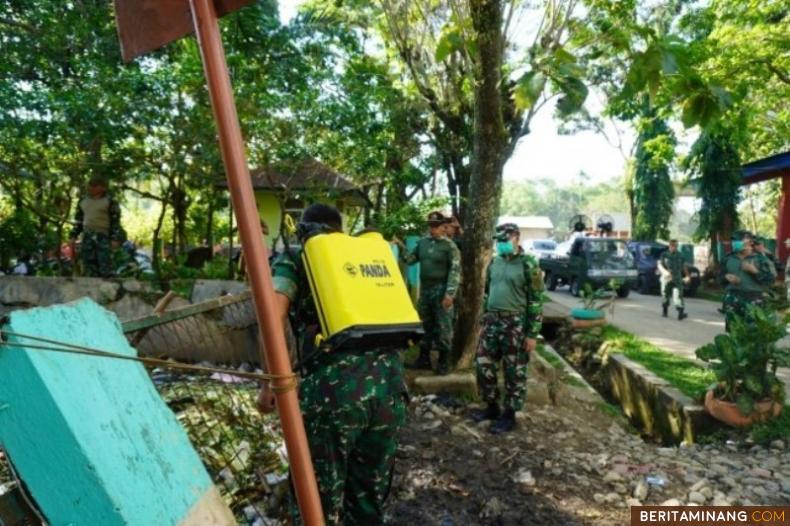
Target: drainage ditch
pixel 656 409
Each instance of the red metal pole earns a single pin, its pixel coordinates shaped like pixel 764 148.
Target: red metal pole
pixel 783 221
pixel 274 352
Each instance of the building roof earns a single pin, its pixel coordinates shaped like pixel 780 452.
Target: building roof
pixel 768 168
pixel 308 174
pixel 541 222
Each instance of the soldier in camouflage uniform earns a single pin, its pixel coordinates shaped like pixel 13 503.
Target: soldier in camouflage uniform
pixel 673 271
pixel 98 220
pixel 766 265
pixel 353 402
pixel 742 279
pixel 440 270
pixel 511 326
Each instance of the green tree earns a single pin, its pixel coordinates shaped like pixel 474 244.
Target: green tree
pixel 70 109
pixel 454 56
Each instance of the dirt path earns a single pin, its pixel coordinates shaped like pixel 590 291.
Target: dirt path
pixel 641 315
pixel 567 464
pixel 451 471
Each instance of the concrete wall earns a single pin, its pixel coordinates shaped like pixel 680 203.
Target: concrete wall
pixel 227 336
pixel 652 404
pixel 127 298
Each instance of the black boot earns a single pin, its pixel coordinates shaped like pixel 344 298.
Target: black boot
pixel 505 423
pixel 665 307
pixel 682 315
pixel 443 365
pixel 422 362
pixel 491 412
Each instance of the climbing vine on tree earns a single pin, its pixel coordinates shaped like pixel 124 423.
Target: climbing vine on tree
pixel 715 166
pixel 654 194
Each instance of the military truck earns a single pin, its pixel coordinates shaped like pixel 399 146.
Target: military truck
pixel 593 260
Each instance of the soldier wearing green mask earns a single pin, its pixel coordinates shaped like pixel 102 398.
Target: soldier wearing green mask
pixel 440 272
pixel 511 326
pixel 741 277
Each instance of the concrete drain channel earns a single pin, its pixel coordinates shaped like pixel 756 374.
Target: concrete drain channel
pixel 658 410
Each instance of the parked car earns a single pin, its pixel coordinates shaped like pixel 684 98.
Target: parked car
pixel 592 260
pixel 539 247
pixel 647 255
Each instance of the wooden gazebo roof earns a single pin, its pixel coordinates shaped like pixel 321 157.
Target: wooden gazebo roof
pixel 305 175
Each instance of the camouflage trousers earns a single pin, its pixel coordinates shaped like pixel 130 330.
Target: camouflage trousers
pixel 96 255
pixel 736 303
pixel 353 451
pixel 436 320
pixel 672 291
pixel 502 339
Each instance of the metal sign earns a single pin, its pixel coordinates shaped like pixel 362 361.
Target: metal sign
pixel 146 25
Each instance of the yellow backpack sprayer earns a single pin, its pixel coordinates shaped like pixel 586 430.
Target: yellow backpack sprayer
pixel 359 293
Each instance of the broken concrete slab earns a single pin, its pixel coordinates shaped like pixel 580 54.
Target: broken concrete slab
pixel 90 436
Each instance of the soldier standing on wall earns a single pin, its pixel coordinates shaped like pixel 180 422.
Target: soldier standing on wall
pixel 98 220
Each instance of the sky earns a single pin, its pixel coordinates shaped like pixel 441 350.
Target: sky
pixel 545 154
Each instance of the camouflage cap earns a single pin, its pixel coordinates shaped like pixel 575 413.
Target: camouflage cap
pixel 437 219
pixel 505 230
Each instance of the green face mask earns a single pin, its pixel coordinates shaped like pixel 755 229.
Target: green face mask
pixel 504 248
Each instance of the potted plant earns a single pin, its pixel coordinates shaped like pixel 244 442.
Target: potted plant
pixel 745 362
pixel 594 303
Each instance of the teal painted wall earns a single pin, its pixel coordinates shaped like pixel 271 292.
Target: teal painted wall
pixel 91 437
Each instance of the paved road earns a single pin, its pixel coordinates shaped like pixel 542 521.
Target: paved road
pixel 641 315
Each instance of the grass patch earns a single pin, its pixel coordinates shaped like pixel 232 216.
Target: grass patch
pixel 690 378
pixel 575 382
pixel 551 358
pixel 611 409
pixel 776 429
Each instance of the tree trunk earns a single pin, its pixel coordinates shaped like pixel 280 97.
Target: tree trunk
pixel 156 257
pixel 210 221
pixel 180 207
pixel 489 146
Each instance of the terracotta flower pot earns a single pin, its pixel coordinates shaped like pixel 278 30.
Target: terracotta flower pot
pixel 729 413
pixel 587 324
